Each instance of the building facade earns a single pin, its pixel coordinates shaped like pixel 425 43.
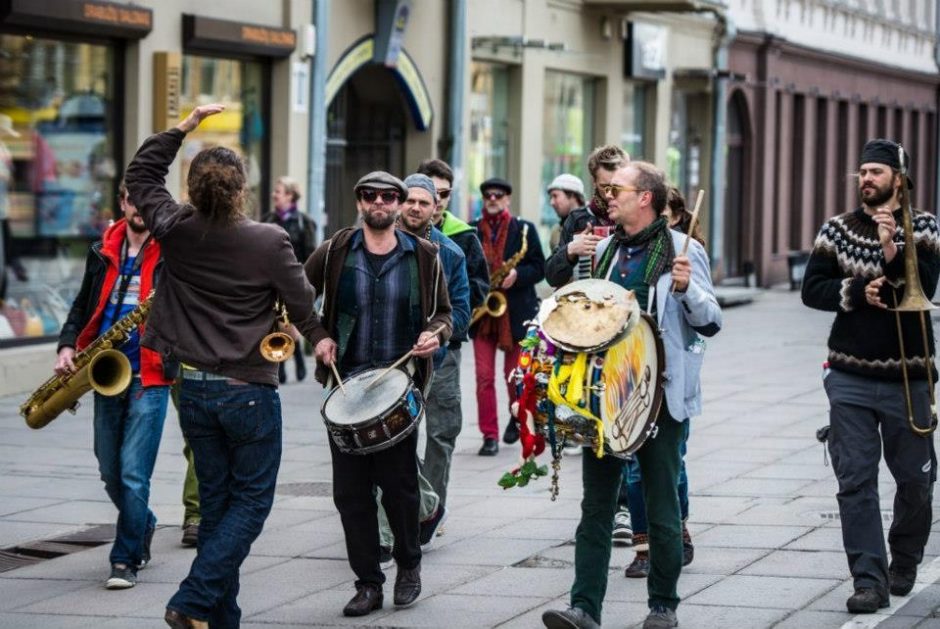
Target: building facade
pixel 535 85
pixel 811 81
pixel 83 83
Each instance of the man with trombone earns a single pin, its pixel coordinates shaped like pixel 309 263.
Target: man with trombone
pixel 880 370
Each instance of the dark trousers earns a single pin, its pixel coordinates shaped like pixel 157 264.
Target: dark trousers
pixel 858 408
pixel 234 431
pixel 602 478
pixel 395 471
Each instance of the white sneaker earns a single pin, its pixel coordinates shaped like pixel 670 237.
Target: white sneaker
pixel 622 534
pixel 572 450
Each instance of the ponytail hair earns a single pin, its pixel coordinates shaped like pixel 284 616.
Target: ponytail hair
pixel 217 184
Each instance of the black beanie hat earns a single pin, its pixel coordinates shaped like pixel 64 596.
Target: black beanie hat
pixel 886 152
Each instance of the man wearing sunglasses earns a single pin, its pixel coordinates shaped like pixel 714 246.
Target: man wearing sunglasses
pixel 643 255
pixel 501 234
pixel 585 226
pixel 384 293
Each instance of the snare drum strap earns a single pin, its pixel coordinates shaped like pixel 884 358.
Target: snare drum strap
pixel 573 376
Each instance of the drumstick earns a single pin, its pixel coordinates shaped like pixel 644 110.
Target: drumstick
pixel 401 360
pixel 338 379
pixel 688 236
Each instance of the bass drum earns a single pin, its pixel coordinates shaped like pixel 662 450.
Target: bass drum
pixel 626 384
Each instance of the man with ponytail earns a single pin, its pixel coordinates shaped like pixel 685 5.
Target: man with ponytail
pixel 216 302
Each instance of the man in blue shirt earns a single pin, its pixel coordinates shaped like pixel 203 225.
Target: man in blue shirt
pixel 442 426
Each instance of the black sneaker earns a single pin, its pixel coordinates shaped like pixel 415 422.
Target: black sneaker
pixel 902 580
pixel 430 527
pixel 145 558
pixel 511 434
pixel 489 448
pixel 122 577
pixel 190 534
pixel 865 601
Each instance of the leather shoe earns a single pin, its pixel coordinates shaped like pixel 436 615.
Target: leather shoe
pixel 865 601
pixel 902 580
pixel 511 434
pixel 407 586
pixel 640 568
pixel 571 618
pixel 176 620
pixel 489 448
pixel 368 598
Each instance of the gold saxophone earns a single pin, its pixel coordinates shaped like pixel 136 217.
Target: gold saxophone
pixel 100 366
pixel 495 303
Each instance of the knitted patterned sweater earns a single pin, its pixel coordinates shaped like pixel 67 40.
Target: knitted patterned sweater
pixel 846 256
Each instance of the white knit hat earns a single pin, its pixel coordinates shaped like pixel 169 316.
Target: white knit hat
pixel 568 183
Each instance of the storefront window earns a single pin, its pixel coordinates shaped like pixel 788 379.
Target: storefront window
pixel 239 85
pixel 57 176
pixel 567 131
pixel 633 134
pixel 488 151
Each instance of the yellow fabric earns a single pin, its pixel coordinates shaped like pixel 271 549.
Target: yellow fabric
pixel 573 375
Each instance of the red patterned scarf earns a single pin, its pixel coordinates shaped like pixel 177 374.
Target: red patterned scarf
pixel 495 229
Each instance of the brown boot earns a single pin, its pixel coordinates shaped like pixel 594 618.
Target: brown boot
pixel 688 550
pixel 640 568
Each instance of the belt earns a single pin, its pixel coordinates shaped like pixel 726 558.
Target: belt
pixel 202 376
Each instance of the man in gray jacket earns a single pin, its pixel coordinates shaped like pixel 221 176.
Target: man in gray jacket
pixel 223 273
pixel 644 256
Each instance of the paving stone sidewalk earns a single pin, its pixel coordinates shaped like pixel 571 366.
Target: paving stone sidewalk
pixel 763 515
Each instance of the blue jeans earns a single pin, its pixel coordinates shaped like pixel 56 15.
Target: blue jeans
pixel 234 431
pixel 128 428
pixel 633 482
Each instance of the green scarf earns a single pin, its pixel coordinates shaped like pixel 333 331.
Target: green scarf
pixel 659 253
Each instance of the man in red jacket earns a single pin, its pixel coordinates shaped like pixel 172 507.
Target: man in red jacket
pixel 120 271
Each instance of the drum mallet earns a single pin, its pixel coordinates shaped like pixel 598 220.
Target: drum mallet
pixel 688 236
pixel 401 360
pixel 339 380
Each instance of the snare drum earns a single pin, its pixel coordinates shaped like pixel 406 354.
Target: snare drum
pixel 363 421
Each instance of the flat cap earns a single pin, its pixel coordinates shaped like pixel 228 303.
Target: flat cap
pixel 381 180
pixel 496 182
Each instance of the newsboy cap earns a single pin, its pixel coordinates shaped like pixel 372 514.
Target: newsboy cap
pixel 381 180
pixel 496 182
pixel 881 151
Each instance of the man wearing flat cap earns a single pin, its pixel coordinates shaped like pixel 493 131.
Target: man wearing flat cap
pixel 384 294
pixel 502 236
pixel 880 398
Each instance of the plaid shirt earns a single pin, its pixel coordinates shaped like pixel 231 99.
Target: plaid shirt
pixel 380 311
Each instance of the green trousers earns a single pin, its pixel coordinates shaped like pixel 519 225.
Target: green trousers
pixel 191 514
pixel 659 465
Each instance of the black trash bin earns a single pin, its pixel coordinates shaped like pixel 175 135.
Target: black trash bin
pixel 796 264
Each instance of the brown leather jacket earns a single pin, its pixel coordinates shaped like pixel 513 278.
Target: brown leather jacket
pixel 325 267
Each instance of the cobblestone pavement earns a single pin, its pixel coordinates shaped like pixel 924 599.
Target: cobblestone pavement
pixel 763 516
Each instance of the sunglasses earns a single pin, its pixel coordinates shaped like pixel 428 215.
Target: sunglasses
pixel 615 190
pixel 494 194
pixel 369 195
pixel 444 193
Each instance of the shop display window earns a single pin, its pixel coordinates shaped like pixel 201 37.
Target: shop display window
pixel 242 127
pixel 567 132
pixel 488 148
pixel 57 175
